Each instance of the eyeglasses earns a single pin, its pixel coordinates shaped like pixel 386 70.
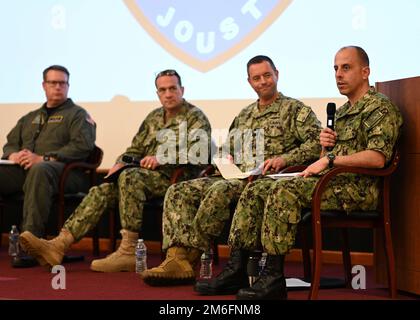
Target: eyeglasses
pixel 53 83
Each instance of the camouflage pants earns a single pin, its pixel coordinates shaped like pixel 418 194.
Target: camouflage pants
pixel 196 210
pixel 135 186
pixel 268 211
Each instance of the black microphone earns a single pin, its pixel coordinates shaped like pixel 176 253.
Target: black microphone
pixel 130 160
pixel 330 118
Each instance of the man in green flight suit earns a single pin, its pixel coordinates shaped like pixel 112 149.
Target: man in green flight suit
pixel 41 143
pixel 366 130
pixel 160 147
pixel 195 211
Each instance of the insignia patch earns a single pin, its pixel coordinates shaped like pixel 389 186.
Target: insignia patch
pixel 206 34
pixel 38 120
pixel 375 117
pixel 55 119
pixel 303 114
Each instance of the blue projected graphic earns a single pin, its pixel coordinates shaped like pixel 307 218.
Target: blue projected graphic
pixel 115 47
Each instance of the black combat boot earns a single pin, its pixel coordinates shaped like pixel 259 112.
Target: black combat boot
pixel 232 278
pixel 270 285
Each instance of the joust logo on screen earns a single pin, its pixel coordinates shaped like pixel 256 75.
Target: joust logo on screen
pixel 204 34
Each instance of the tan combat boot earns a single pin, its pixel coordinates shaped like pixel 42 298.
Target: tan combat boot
pixel 175 269
pixel 123 259
pixel 47 252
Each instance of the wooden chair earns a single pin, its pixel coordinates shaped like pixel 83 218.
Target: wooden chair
pixel 318 219
pixel 90 166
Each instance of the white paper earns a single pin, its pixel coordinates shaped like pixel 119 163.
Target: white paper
pixel 8 162
pixel 283 175
pixel 295 282
pixel 229 170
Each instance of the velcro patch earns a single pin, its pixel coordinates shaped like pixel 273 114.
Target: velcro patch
pixel 303 114
pixel 38 120
pixel 375 117
pixel 55 119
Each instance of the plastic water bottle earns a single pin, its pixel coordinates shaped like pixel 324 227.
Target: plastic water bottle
pixel 262 262
pixel 14 241
pixel 206 268
pixel 141 256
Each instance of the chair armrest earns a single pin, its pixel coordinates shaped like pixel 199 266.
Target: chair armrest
pixel 177 174
pixel 323 181
pixel 210 169
pixel 73 166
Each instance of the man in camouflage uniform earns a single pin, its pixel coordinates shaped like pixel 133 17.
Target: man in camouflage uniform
pixel 195 211
pixel 366 130
pixel 41 143
pixel 138 184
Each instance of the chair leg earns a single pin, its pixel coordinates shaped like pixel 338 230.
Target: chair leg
pixel 306 256
pixel 389 251
pixel 317 260
pixel 1 222
pixel 346 257
pixel 95 242
pixel 215 252
pixel 112 232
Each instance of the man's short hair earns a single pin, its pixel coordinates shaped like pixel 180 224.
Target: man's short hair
pixel 55 67
pixel 363 56
pixel 168 72
pixel 259 59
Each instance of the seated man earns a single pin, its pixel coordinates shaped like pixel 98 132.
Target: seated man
pixel 366 130
pixel 152 146
pixel 40 144
pixel 195 211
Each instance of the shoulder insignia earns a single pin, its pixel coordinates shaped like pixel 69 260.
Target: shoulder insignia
pixel 375 117
pixel 303 114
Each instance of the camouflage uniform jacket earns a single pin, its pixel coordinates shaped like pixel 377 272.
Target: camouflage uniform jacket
pixel 291 130
pixel 372 123
pixel 68 133
pixel 188 121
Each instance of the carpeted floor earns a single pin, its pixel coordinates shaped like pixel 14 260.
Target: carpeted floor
pixel 83 284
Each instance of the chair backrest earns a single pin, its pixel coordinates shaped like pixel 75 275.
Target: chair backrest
pixel 95 157
pixel 90 165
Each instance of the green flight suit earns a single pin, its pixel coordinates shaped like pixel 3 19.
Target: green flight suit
pixel 66 133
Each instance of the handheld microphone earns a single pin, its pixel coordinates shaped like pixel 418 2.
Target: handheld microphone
pixel 330 118
pixel 130 160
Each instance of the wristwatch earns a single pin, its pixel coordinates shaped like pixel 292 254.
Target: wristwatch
pixel 46 158
pixel 331 158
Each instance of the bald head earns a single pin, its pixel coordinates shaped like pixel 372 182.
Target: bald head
pixel 361 54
